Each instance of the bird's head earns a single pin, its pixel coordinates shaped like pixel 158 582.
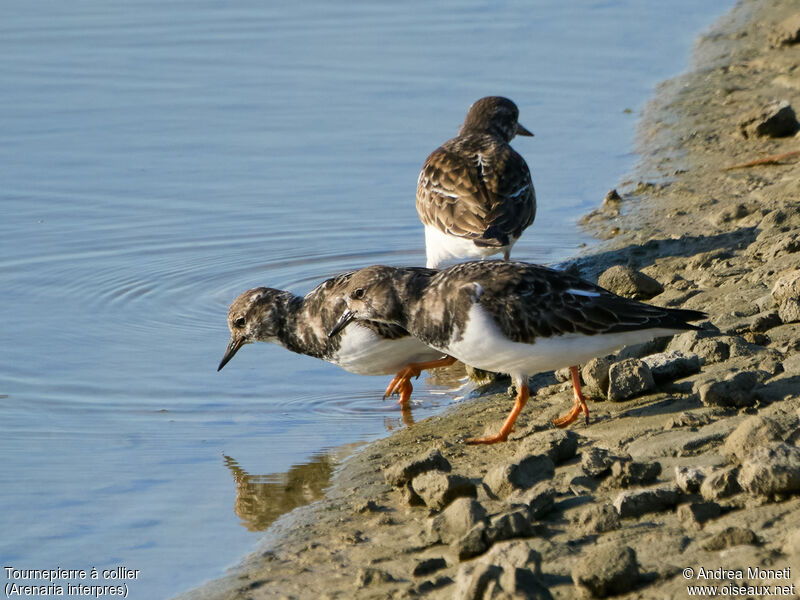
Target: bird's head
pixel 253 317
pixel 371 295
pixel 495 115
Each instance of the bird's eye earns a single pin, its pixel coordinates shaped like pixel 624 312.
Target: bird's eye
pixel 239 323
pixel 358 294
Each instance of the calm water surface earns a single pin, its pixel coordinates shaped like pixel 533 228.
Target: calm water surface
pixel 158 158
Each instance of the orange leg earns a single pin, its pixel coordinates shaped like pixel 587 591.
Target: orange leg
pixel 402 381
pixel 404 389
pixel 580 402
pixel 522 397
pixel 405 403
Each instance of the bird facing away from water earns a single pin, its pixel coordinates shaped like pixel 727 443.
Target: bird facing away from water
pixel 508 317
pixel 475 194
pixel 301 324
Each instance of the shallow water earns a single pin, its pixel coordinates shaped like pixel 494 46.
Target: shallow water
pixel 159 158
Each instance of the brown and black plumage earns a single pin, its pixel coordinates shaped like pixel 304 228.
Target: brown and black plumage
pixel 475 194
pixel 509 317
pixel 302 324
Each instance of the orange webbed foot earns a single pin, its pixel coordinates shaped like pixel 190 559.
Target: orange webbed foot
pixel 580 402
pixel 502 435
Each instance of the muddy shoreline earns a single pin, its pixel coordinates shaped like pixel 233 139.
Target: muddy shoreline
pixel 691 460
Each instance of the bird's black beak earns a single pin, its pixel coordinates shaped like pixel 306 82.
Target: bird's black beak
pixel 346 317
pixel 522 131
pixel 233 348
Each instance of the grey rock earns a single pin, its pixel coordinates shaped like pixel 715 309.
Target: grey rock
pixel 607 569
pixel 563 374
pixel 635 503
pixel 751 433
pixel 411 497
pixel 472 580
pixel 707 346
pixel 738 391
pixel 738 346
pixel 776 120
pixel 370 576
pixel 643 349
pixel 456 520
pixel 632 473
pixel 787 32
pixel 612 202
pixel 581 485
pixel 695 514
pixel 730 213
pixel 774 220
pixel 712 349
pixel 786 337
pixel 558 444
pixel 789 310
pixel 521 583
pixel 519 475
pixel 508 570
pixel 625 281
pixel 689 479
pixel 729 537
pixel 539 499
pixel 595 374
pixel 668 366
pixel 515 554
pixel 367 506
pixel 509 525
pixel 596 461
pixel 428 566
pixel 403 472
pixel 787 287
pixel 687 419
pixel 763 321
pixel 426 587
pixel 629 378
pixel 788 244
pixel 598 518
pixel 791 544
pixel 720 483
pixel 439 489
pixel 472 544
pixel 771 469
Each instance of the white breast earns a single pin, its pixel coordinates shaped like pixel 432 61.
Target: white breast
pixel 483 346
pixel 364 352
pixel 441 248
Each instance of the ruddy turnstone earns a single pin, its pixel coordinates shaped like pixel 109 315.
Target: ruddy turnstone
pixel 302 325
pixel 508 317
pixel 475 194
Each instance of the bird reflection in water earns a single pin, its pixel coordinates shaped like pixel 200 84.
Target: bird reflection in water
pixel 260 499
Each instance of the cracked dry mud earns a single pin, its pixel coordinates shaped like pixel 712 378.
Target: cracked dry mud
pixel 691 459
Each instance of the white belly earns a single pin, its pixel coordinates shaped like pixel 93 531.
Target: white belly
pixel 363 352
pixel 484 347
pixel 441 248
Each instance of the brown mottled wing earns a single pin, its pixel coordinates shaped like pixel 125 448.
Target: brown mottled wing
pixel 508 181
pixel 477 190
pixel 529 301
pixel 449 196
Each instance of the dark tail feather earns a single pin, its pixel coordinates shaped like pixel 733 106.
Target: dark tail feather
pixel 683 316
